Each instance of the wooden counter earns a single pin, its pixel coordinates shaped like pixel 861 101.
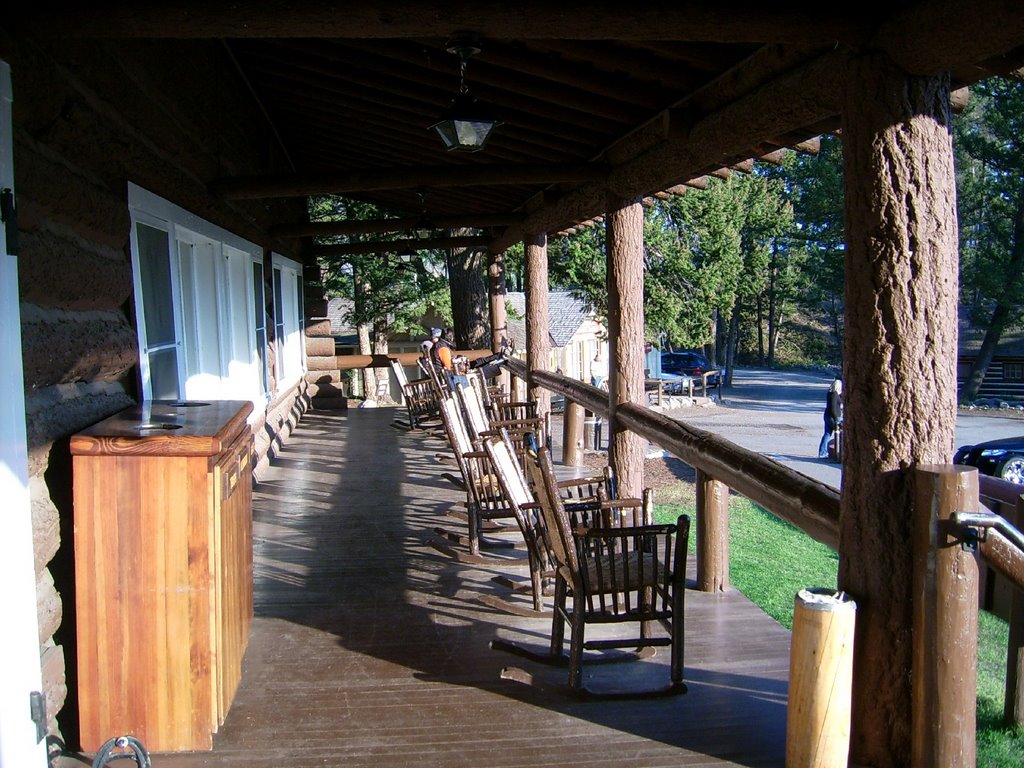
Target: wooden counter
pixel 163 568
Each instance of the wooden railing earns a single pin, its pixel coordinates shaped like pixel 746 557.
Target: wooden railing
pixel 941 700
pixel 1005 499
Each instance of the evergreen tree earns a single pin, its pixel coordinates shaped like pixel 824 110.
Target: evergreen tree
pixel 990 183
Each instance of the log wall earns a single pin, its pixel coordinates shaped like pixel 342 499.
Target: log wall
pixel 89 117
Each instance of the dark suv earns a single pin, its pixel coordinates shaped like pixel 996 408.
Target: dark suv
pixel 689 364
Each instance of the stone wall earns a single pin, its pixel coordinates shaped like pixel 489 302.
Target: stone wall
pixel 89 117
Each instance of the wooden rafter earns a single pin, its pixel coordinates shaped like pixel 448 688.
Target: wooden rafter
pixel 405 178
pixel 404 224
pixel 401 246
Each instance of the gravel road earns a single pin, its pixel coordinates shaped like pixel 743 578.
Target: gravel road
pixel 779 414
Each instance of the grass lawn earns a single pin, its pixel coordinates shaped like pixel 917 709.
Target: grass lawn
pixel 771 560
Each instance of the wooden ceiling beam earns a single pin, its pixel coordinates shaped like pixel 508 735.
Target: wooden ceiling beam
pixel 639 62
pixel 645 94
pixel 510 144
pixel 786 22
pixel 408 80
pixel 403 224
pixel 403 178
pixel 400 246
pixel 495 84
pixel 802 96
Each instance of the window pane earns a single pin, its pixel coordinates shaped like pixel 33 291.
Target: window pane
pixel 279 337
pixel 155 276
pixel 163 374
pixel 260 322
pixel 259 315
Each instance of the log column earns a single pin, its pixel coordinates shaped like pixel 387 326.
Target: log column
pixel 538 336
pixel 496 294
pixel 900 370
pixel 624 235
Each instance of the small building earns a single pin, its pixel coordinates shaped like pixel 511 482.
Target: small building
pixel 1004 377
pixel 575 331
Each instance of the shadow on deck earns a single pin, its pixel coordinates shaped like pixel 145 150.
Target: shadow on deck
pixel 370 648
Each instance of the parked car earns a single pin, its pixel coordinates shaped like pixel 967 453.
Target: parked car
pixel 1000 458
pixel 690 364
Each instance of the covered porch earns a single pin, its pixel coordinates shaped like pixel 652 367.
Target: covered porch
pixel 371 648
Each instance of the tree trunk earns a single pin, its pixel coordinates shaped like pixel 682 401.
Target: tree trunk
pixel 538 336
pixel 772 309
pixel 900 357
pixel 380 347
pixel 996 325
pixel 760 329
pixel 732 340
pixel 624 235
pixel 467 269
pixel 363 330
pixel 496 294
pixel 1002 315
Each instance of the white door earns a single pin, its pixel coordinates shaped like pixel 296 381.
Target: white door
pixel 19 642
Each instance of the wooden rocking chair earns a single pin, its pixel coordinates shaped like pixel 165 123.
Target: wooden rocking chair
pixel 485 500
pixel 619 569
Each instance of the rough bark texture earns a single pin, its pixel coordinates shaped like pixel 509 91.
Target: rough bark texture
pixel 538 335
pixel 496 291
pixel 467 276
pixel 900 377
pixel 625 242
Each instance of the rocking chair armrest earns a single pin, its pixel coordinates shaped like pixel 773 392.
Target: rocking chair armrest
pixel 622 503
pixel 594 532
pixel 474 455
pixel 576 481
pixel 516 424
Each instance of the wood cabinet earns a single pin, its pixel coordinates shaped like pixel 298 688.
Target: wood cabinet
pixel 163 571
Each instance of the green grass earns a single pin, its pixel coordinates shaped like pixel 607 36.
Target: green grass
pixel 771 560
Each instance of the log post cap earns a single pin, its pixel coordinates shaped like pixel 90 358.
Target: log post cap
pixel 945 469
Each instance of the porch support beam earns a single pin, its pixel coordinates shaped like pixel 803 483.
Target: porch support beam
pixel 899 369
pixel 251 187
pixel 805 95
pixel 399 246
pixel 402 224
pixel 496 294
pixel 572 20
pixel 624 231
pixel 538 334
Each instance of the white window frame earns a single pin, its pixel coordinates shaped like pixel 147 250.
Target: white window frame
pixel 291 357
pixel 19 644
pixel 236 369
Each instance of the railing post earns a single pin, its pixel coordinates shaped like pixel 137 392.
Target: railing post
pixel 572 433
pixel 945 620
pixel 1013 713
pixel 712 534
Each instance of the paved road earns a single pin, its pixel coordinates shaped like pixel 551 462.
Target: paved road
pixel 779 414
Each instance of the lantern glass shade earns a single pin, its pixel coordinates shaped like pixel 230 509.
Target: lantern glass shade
pixel 467 126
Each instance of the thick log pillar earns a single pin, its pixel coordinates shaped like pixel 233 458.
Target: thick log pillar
pixel 900 370
pixel 712 534
pixel 624 236
pixel 496 295
pixel 538 336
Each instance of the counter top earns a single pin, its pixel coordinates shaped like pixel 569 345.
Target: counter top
pixel 165 428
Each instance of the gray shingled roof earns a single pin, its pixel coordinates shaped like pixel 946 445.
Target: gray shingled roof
pixel 566 314
pixel 337 309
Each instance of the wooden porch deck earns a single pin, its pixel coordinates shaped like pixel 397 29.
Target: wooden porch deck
pixel 370 648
